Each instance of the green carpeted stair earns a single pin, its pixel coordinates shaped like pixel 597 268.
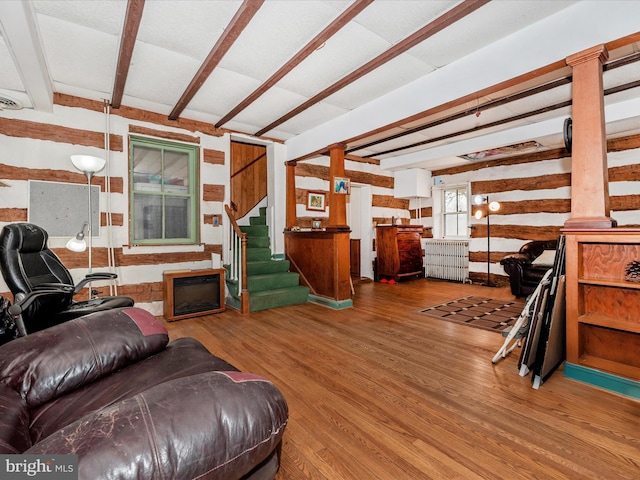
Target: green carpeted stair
pixel 269 281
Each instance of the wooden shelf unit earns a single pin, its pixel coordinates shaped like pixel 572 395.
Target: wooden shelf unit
pixel 398 251
pixel 603 309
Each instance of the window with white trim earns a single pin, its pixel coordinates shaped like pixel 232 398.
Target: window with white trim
pixel 454 211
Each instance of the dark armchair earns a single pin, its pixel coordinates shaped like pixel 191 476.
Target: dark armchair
pixel 28 266
pixel 524 274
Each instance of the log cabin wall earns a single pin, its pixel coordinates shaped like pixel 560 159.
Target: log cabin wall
pixel 37 146
pixel 534 191
pixel 313 175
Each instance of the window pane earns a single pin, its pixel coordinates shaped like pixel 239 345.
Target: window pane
pixel 176 169
pixel 450 201
pixel 177 214
pixel 450 225
pixel 147 167
pixel 462 224
pixel 147 216
pixel 462 201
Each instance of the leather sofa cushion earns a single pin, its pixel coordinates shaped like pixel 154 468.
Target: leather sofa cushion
pixel 151 435
pixel 63 358
pixel 182 357
pixel 14 422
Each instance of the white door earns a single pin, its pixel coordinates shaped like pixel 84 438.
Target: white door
pixel 360 220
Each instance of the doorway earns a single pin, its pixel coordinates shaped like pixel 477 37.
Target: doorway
pixel 359 219
pixel 248 176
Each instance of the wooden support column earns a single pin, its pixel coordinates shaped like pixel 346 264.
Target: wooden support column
pixel 589 174
pixel 291 216
pixel 337 201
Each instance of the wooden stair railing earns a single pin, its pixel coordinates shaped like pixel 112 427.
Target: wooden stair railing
pixel 238 263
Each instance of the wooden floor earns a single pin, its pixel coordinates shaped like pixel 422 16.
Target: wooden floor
pixel 381 391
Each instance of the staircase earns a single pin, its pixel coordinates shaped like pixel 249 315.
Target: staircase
pixel 269 281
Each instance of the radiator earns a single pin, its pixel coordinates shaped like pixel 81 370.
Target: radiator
pixel 447 260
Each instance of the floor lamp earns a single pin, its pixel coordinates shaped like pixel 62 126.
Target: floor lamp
pixel 492 207
pixel 88 165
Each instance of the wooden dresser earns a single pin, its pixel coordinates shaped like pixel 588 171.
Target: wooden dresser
pixel 398 251
pixel 603 326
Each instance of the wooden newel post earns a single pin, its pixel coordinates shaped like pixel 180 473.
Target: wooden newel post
pixel 589 169
pixel 337 201
pixel 291 216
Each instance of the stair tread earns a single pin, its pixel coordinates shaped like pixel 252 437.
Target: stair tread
pixel 274 298
pixel 255 230
pixel 268 261
pixel 278 298
pixel 258 242
pixel 260 276
pixel 278 291
pixel 264 263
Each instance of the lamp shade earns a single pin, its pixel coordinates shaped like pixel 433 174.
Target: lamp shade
pixel 88 163
pixel 479 199
pixel 77 244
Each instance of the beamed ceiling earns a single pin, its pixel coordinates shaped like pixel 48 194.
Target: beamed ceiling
pixel 404 83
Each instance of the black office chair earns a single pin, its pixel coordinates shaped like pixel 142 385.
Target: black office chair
pixel 31 270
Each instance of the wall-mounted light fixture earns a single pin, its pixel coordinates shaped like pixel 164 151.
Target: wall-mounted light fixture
pixel 492 207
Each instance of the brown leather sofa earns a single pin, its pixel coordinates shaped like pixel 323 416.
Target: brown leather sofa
pixel 110 388
pixel 524 275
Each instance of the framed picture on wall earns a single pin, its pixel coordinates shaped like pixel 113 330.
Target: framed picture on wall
pixel 342 185
pixel 316 201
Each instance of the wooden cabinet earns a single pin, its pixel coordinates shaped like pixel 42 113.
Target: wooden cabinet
pixel 322 260
pixel 603 309
pixel 398 251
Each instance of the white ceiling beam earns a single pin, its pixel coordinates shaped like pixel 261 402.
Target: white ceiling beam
pixel 433 157
pixel 573 29
pixel 19 31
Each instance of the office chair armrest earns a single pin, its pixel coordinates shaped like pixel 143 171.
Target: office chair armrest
pixel 53 288
pixel 23 301
pixel 101 276
pixel 94 277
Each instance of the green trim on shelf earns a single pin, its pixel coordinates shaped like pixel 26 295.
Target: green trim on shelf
pixel 327 302
pixel 620 385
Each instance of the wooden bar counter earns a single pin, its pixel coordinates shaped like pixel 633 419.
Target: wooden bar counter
pixel 321 257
